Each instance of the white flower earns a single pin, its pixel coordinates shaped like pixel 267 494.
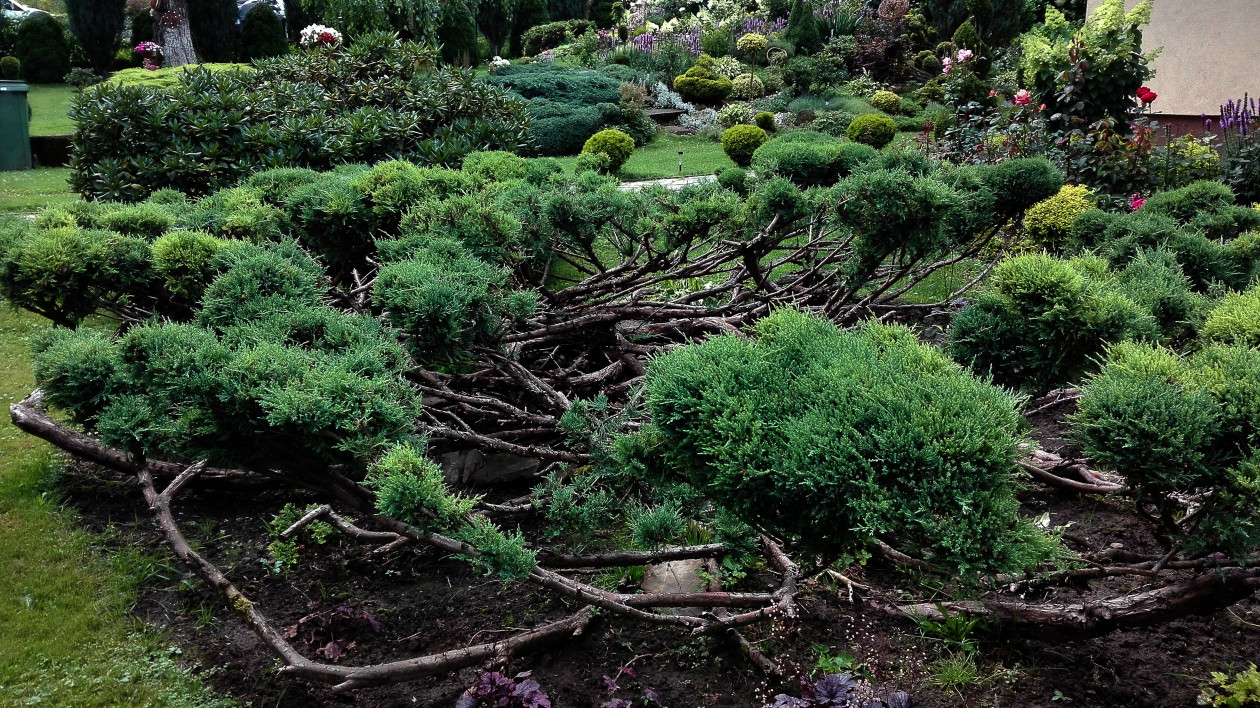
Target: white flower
pixel 319 35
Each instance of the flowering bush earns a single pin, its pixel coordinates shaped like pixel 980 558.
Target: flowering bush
pixel 148 49
pixel 499 63
pixel 319 36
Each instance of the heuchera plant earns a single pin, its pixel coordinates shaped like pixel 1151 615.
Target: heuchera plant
pixel 495 689
pixel 843 691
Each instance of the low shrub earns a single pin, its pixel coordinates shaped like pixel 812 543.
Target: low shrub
pixel 1181 425
pixel 753 424
pixel 1049 222
pixel 811 159
pixel 1236 320
pixel 614 144
pixel 833 123
pixel 10 68
pixel 733 114
pixel 373 101
pixel 734 179
pixel 741 141
pixel 1041 322
pixel 747 87
pixel 872 129
pixel 701 84
pixel 886 101
pixel 765 121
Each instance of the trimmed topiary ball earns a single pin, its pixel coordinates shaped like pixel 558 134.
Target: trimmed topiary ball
pixel 765 121
pixel 10 69
pixel 874 129
pixel 702 84
pixel 752 43
pixel 741 141
pixel 886 101
pixel 747 87
pixel 616 145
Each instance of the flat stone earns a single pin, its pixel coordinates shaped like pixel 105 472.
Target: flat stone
pixel 675 577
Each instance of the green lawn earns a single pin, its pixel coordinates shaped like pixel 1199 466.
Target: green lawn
pixel 32 190
pixel 66 638
pixel 659 158
pixel 50 108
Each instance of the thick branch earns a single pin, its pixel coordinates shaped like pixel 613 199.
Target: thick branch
pixel 620 558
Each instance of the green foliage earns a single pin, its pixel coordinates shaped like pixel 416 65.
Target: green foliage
pixel 1049 222
pixel 1236 320
pixel 498 553
pixel 317 532
pixel 1171 424
pixel 1041 322
pixel 96 24
pixel 411 488
pixel 543 37
pixel 616 145
pixel 741 141
pixel 577 508
pixel 717 42
pixel 10 68
pixel 886 101
pixel 1110 43
pixel 734 179
pixel 810 159
pixel 42 49
pixel 568 106
pixel 765 121
pixel 141 28
pixel 873 129
pixel 377 99
pixel 802 28
pixel 185 259
pixel 657 526
pixel 213 27
pixel 530 14
pixel 747 87
pixel 1237 691
pixel 458 31
pixel 753 424
pixel 701 84
pixel 753 46
pixel 496 166
pixel 262 34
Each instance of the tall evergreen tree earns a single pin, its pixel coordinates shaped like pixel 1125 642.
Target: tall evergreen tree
pixel 458 31
pixel 213 25
pixel 97 24
pixel 531 13
pixel 497 20
pixel 802 29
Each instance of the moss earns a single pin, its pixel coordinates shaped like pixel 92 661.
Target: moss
pixel 166 78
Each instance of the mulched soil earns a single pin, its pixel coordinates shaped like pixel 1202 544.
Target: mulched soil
pixel 426 602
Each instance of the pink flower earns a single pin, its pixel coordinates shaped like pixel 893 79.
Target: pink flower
pixel 964 55
pixel 1136 201
pixel 1023 98
pixel 992 93
pixel 947 65
pixel 1042 107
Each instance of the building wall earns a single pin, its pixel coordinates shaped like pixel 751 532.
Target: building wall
pixel 1210 53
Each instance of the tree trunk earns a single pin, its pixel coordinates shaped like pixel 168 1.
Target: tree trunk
pixel 170 30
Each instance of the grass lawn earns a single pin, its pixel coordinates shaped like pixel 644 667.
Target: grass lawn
pixel 659 158
pixel 50 108
pixel 32 190
pixel 65 635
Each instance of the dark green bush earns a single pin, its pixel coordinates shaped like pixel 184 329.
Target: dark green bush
pixel 765 121
pixel 614 144
pixel 213 27
pixel 377 99
pixel 754 425
pixel 496 166
pixel 42 49
pixel 810 159
pixel 96 24
pixel 583 87
pixel 10 68
pixel 734 179
pixel 741 141
pixel 141 28
pixel 1172 424
pixel 530 14
pixel 539 38
pixel 458 31
pixel 262 34
pixel 873 129
pixel 1041 322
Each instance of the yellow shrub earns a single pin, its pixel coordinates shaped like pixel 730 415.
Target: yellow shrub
pixel 1049 221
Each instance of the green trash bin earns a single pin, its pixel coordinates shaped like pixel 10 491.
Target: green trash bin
pixel 15 139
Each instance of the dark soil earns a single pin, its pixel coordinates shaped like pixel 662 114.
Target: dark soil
pixel 426 603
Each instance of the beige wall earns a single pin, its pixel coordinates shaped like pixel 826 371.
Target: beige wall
pixel 1211 53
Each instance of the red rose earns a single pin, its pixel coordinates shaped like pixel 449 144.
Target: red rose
pixel 1146 95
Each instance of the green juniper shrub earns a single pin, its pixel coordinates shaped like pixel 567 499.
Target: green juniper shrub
pixel 10 68
pixel 701 84
pixel 1049 221
pixel 833 123
pixel 741 141
pixel 752 424
pixel 1155 281
pixel 765 121
pixel 262 34
pixel 810 159
pixel 42 49
pixel 1236 319
pixel 734 179
pixel 747 87
pixel 1041 322
pixel 540 38
pixel 802 28
pixel 496 166
pixel 886 101
pixel 613 143
pixel 185 260
pixel 1172 424
pixel 873 129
